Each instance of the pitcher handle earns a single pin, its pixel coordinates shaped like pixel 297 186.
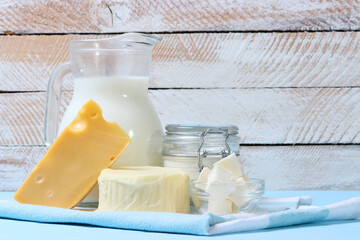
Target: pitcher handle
pixel 53 101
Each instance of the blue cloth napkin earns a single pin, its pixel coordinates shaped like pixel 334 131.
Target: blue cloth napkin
pixel 206 224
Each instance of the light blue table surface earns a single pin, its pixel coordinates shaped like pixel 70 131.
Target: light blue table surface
pixel 11 229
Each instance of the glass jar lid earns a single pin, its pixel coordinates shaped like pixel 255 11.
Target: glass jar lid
pixel 196 130
pixel 200 141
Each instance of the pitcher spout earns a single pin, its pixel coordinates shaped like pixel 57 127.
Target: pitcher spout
pixel 140 38
pixel 123 41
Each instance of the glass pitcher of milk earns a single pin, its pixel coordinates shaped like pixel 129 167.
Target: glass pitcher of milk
pixel 114 72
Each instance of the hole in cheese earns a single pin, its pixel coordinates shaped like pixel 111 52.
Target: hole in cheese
pixel 39 179
pixel 78 126
pixel 50 194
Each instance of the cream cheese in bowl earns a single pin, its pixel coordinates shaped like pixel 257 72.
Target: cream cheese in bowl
pixel 225 189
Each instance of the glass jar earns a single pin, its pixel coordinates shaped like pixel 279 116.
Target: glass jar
pixel 191 147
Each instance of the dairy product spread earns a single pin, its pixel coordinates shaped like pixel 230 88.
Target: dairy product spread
pixel 70 168
pixel 226 184
pixel 203 178
pixel 145 188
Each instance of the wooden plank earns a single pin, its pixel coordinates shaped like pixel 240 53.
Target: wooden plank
pixel 231 60
pixel 304 167
pixel 275 116
pixel 282 167
pixel 58 16
pixel 16 163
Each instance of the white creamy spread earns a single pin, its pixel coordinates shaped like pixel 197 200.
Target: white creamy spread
pixel 226 184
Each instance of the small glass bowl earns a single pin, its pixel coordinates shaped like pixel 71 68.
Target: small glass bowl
pixel 246 197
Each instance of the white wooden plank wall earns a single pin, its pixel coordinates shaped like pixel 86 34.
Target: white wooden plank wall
pixel 204 60
pixel 94 16
pixel 277 69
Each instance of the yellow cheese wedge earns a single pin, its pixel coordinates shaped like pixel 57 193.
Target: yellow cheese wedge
pixel 69 170
pixel 154 189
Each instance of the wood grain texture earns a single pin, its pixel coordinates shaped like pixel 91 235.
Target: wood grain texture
pixel 263 115
pixel 282 167
pixel 16 163
pixel 99 16
pixel 251 60
pixel 304 167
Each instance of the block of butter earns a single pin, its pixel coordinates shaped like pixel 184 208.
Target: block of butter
pixel 155 189
pixel 70 168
